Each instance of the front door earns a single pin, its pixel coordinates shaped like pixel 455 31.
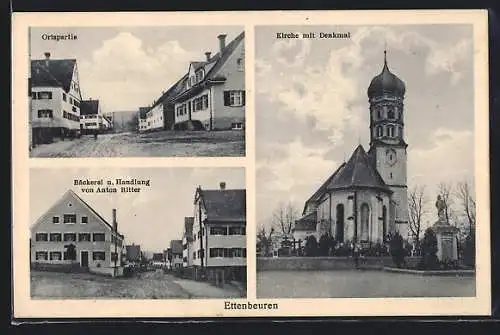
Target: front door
pixel 84 259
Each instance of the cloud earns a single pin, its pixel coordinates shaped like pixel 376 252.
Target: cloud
pixel 124 64
pixel 291 52
pixel 449 60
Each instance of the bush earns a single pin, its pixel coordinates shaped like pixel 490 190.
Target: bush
pixel 311 247
pixel 397 250
pixel 325 243
pixel 429 260
pixel 375 250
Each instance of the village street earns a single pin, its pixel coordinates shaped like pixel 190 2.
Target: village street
pixel 157 144
pixel 149 285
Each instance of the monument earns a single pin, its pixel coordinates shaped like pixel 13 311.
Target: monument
pixel 446 234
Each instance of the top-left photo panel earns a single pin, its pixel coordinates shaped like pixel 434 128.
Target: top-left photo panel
pixel 137 91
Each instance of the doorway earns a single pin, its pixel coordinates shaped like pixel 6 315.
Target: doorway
pixel 84 259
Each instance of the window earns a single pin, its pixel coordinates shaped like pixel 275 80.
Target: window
pixel 205 101
pixel 234 98
pixel 33 95
pixel 45 113
pixel 237 125
pixel 390 131
pixel 114 256
pixel 218 231
pixel 64 96
pixel 69 237
pixel 45 95
pixel 70 255
pixel 237 252
pixel 237 231
pixel 379 114
pixel 55 237
pixel 98 256
pixel 194 255
pixel 69 218
pixel 199 76
pixel 99 237
pixel 390 113
pixel 41 255
pixel 380 131
pixel 74 109
pixel 55 255
pixel 216 252
pixel 84 237
pixel 55 219
pixel 41 237
pixel 85 219
pixel 70 100
pixel 239 64
pixel 365 220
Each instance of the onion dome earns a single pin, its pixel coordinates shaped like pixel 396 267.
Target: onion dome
pixel 386 83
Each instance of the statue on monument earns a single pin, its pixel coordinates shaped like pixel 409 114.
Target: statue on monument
pixel 441 207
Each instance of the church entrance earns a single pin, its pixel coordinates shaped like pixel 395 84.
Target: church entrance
pixel 339 229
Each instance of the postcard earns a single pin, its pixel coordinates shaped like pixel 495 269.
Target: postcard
pixel 274 163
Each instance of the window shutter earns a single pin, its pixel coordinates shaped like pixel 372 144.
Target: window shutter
pixel 243 97
pixel 226 98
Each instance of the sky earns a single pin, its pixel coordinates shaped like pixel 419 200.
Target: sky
pixel 129 67
pixel 312 107
pixel 151 217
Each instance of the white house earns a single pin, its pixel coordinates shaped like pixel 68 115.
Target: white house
pixel 219 232
pixel 212 93
pixel 187 242
pixel 56 97
pixel 91 119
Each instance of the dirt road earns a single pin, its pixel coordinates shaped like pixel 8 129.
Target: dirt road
pixel 159 144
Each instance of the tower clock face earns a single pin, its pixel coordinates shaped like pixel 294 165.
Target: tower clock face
pixel 390 157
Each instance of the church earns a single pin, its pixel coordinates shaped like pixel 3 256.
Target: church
pixel 365 199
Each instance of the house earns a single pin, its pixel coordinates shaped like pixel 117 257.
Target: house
pixel 72 234
pixel 91 118
pixel 176 252
pixel 55 99
pixel 142 119
pixel 365 199
pixel 133 253
pixel 219 233
pixel 187 242
pixel 211 95
pixel 305 227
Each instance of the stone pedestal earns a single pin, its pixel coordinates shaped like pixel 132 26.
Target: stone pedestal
pixel 446 236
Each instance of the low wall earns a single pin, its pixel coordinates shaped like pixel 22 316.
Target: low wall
pixel 106 271
pixel 326 263
pixel 57 267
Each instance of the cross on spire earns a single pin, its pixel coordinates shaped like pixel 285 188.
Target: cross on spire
pixel 385 53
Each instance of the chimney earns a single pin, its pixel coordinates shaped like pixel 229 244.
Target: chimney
pixel 207 55
pixel 222 185
pixel 222 42
pixel 115 224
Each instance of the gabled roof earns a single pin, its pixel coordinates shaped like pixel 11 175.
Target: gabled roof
pixel 357 172
pixel 143 111
pixel 224 205
pixel 188 228
pixel 70 193
pixel 52 72
pixel 133 252
pixel 89 107
pixel 176 246
pixel 216 62
pixel 306 223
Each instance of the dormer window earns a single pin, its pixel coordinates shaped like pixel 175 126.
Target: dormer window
pixel 199 76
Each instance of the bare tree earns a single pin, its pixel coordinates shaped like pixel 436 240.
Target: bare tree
pixel 417 203
pixel 445 191
pixel 264 238
pixel 467 200
pixel 284 218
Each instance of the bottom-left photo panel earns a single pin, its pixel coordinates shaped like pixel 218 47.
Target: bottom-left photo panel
pixel 137 233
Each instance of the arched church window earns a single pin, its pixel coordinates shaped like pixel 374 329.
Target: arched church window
pixel 339 228
pixel 391 113
pixel 380 131
pixel 365 222
pixel 384 224
pixel 379 113
pixel 390 131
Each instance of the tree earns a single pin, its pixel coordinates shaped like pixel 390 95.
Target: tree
pixel 417 202
pixel 444 191
pixel 264 239
pixel 133 124
pixel 468 203
pixel 397 249
pixel 311 247
pixel 284 218
pixel 429 258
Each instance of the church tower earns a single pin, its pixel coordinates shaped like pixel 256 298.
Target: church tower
pixel 387 145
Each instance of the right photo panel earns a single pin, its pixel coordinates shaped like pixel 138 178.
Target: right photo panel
pixel 365 161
